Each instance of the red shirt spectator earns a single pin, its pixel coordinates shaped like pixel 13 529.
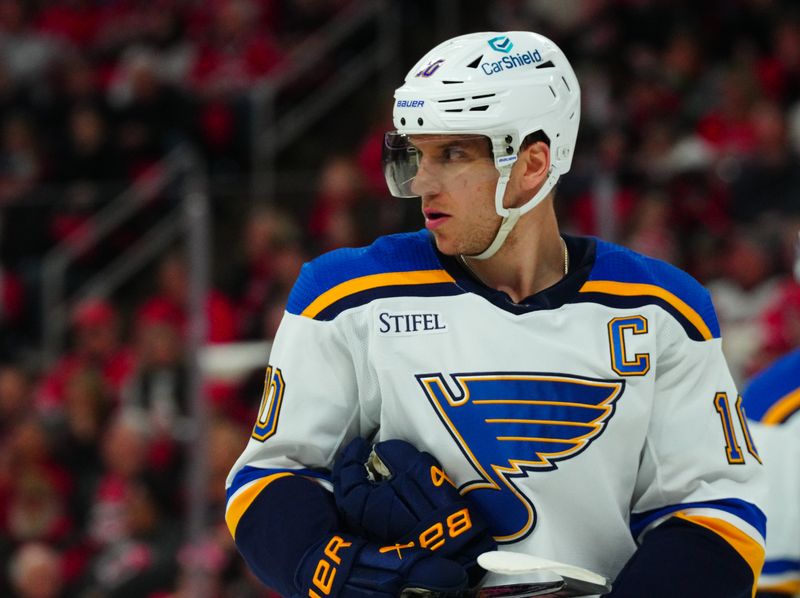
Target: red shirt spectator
pixel 76 22
pixel 779 72
pixel 781 322
pixel 171 302
pixel 12 297
pixel 236 54
pixel 727 127
pixel 97 345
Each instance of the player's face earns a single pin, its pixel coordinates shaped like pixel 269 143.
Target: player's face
pixel 456 180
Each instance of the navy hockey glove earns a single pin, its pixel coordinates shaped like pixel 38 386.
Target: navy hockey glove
pixel 396 493
pixel 345 566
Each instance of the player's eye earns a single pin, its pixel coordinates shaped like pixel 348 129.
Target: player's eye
pixel 453 153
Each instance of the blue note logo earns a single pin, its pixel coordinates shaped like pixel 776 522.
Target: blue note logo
pixel 512 424
pixel 501 44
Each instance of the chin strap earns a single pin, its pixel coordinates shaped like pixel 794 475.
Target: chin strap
pixel 505 227
pixel 512 215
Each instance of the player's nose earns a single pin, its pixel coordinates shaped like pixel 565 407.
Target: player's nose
pixel 425 183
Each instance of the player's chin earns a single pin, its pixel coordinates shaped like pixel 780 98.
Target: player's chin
pixel 445 243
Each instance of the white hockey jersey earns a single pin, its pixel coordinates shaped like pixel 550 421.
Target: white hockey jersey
pixel 772 400
pixel 577 419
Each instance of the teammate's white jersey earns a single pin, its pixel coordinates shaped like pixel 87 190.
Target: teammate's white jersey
pixel 772 400
pixel 576 420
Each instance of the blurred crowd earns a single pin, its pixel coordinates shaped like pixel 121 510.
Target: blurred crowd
pixel 689 151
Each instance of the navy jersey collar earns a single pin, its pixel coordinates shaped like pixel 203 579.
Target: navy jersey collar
pixel 582 251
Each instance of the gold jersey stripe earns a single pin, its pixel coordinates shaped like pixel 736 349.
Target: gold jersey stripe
pixel 790 588
pixel 632 289
pixel 374 281
pixel 782 408
pixel 750 550
pixel 240 503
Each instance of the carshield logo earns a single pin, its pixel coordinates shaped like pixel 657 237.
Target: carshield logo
pixel 512 61
pixel 501 44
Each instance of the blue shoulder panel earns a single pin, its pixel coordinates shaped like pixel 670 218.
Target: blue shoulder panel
pixel 773 386
pixel 402 264
pixel 621 277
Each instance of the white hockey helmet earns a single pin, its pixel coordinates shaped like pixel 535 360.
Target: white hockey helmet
pixel 504 86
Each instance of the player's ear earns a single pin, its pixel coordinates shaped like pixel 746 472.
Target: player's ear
pixel 533 164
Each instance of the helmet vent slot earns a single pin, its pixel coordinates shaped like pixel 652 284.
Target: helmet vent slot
pixel 451 82
pixel 452 100
pixel 474 64
pixel 546 65
pixel 566 84
pixel 479 108
pixel 485 95
pixel 455 110
pixel 553 91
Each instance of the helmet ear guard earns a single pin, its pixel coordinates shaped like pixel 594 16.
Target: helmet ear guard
pixel 505 86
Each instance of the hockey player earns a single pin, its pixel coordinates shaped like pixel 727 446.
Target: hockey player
pixel 772 402
pixel 489 381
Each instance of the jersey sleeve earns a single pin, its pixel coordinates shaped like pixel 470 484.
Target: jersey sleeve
pixel 779 447
pixel 699 463
pixel 308 406
pixel 276 502
pixel 772 403
pixel 319 393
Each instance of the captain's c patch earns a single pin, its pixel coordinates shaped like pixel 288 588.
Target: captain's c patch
pixel 622 363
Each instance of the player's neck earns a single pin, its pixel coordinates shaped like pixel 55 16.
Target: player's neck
pixel 531 260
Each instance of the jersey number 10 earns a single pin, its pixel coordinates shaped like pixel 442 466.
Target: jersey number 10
pixel 732 448
pixel 267 422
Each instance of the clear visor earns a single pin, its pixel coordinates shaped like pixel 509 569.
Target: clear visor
pixel 442 158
